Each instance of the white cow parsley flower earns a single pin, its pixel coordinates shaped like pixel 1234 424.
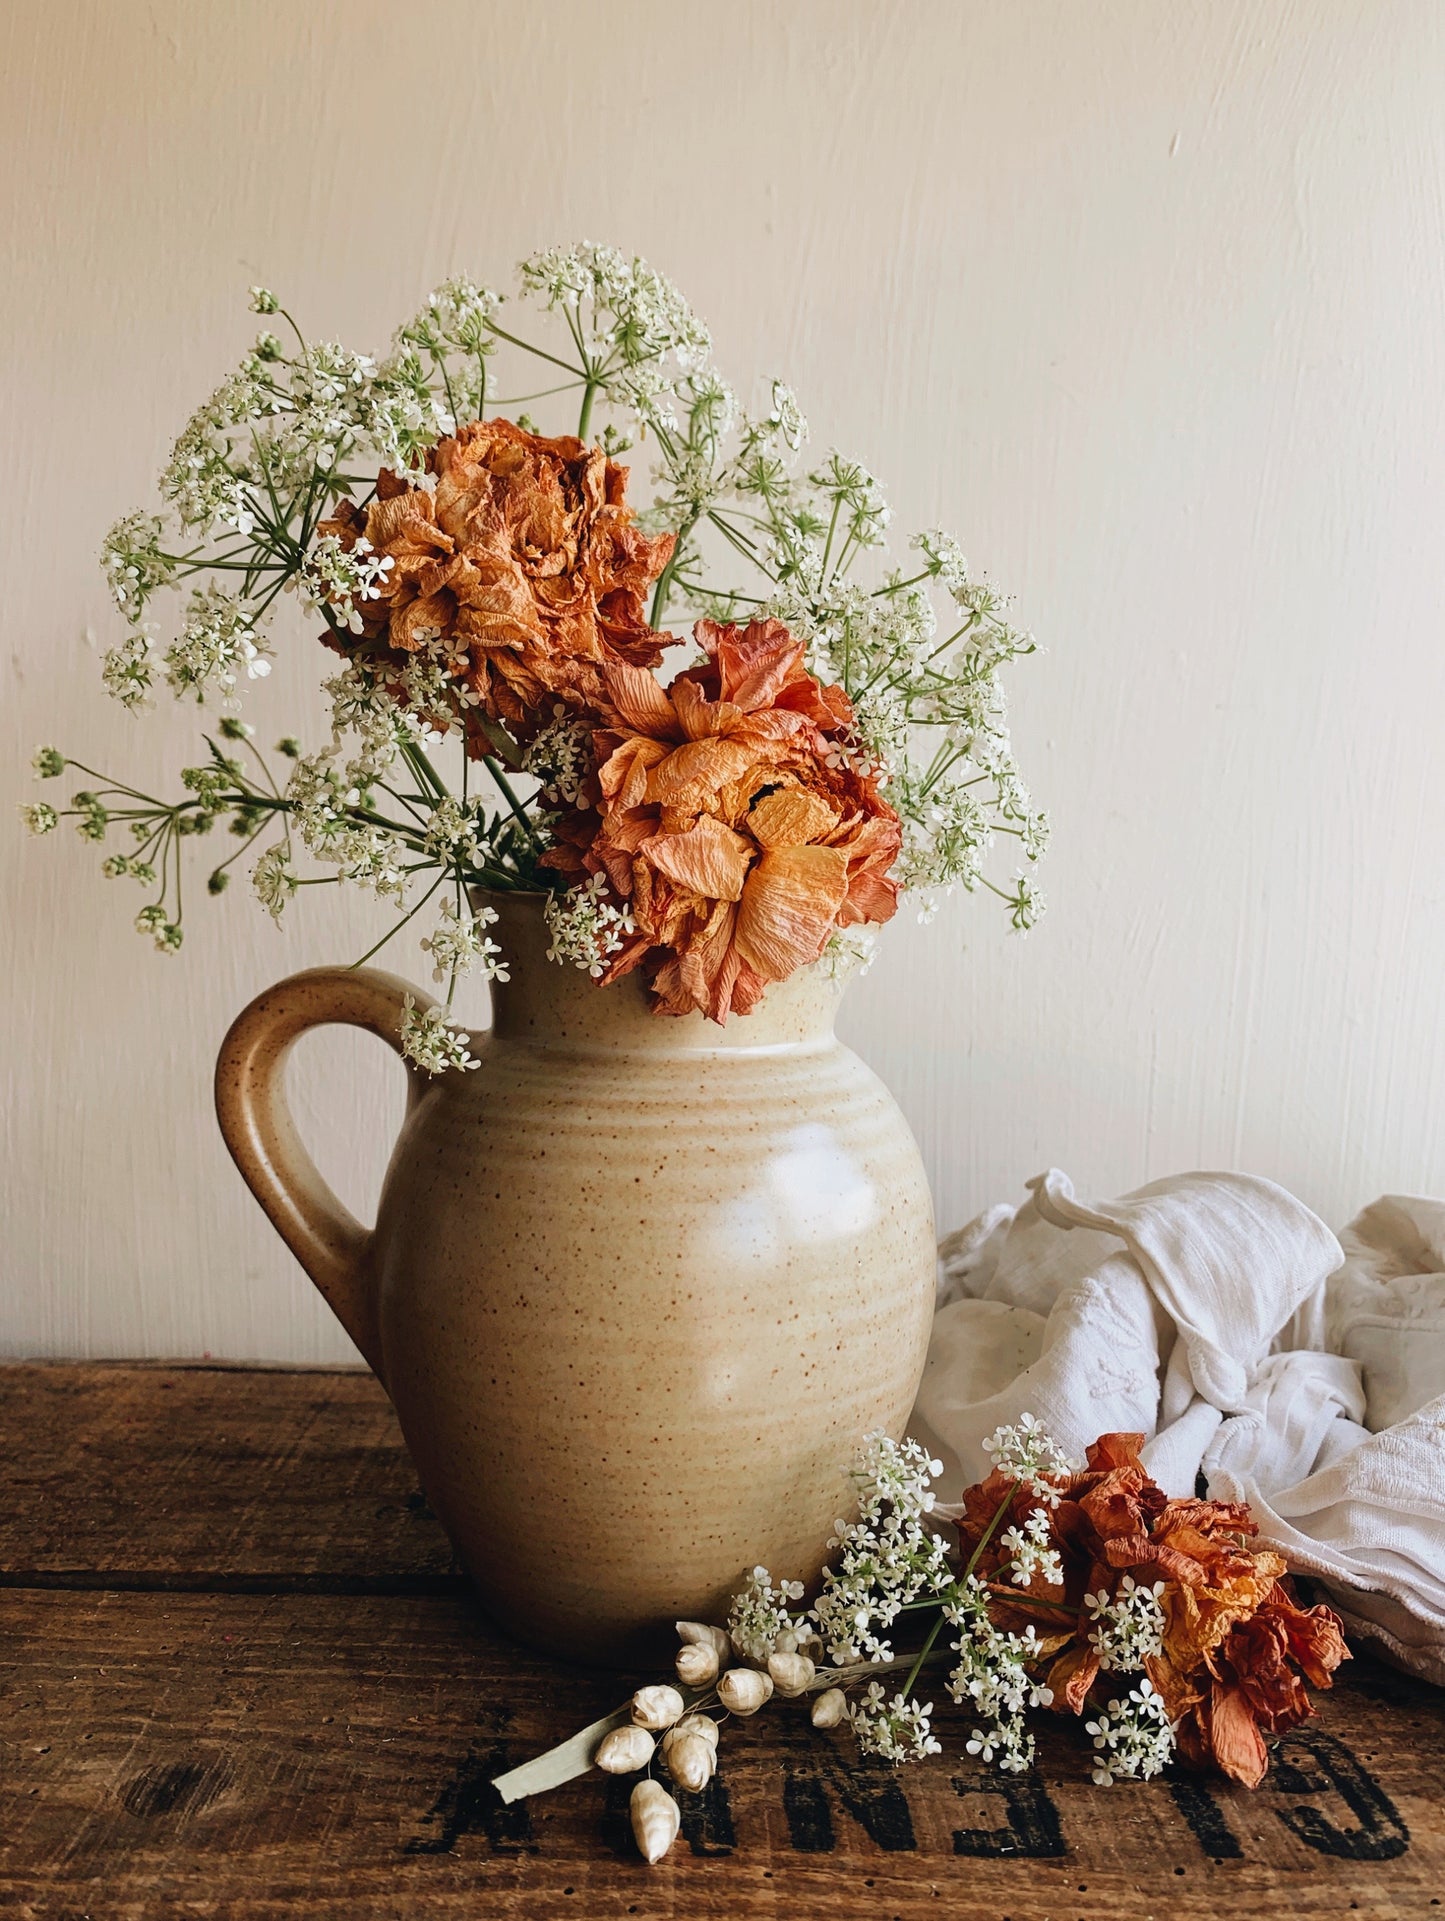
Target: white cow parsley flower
pixel 133 562
pixel 451 832
pixel 586 928
pixel 165 932
pixel 220 637
pixel 1028 1454
pixel 341 581
pixel 759 1615
pixel 40 817
pixel 897 1730
pixel 1133 1738
pixel 460 945
pixel 434 1046
pixel 128 670
pixel 888 1557
pixel 274 879
pixel 1032 1552
pixel 560 757
pixel 1129 1627
pixel 992 1677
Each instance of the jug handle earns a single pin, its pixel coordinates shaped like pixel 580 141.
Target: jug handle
pixel 256 1122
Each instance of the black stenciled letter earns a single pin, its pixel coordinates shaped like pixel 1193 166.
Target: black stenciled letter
pixel 468 1802
pixel 1381 1833
pixel 1206 1819
pixel 868 1792
pixel 707 1818
pixel 1032 1826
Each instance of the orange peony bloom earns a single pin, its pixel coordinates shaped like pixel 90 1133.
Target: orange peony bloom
pixel 523 572
pixel 732 818
pixel 1251 1682
pixel 1237 1649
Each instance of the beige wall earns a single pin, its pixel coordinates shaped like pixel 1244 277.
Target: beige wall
pixel 1144 297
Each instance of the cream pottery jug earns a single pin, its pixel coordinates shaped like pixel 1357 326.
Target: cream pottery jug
pixel 637 1287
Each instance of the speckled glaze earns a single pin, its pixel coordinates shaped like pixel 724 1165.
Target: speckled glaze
pixel 637 1287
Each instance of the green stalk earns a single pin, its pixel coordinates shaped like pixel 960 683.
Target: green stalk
pixel 409 915
pixel 584 419
pixel 514 805
pixel 936 1629
pixel 665 578
pixel 527 348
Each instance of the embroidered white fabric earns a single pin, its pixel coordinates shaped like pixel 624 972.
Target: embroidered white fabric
pixel 1218 1316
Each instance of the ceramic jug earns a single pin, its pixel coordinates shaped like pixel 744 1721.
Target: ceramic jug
pixel 637 1288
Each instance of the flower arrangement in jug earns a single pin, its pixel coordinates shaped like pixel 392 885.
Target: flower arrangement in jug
pixel 497 616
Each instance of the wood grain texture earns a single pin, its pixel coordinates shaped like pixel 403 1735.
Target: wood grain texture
pixel 212 1477
pixel 313 1755
pixel 319 1751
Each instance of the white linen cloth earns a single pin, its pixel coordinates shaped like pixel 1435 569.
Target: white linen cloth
pixel 1218 1316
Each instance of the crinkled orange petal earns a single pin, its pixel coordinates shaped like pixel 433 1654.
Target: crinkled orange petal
pixel 623 775
pixel 708 966
pixel 1072 1675
pixel 698 716
pixel 790 816
pixel 871 897
pixel 709 858
pixel 788 906
pixel 1114 1450
pixel 1234 1737
pixel 692 775
pixel 639 701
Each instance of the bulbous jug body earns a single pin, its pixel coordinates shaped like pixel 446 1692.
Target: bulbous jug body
pixel 638 1287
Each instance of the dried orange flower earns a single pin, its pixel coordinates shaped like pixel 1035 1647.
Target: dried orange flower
pixel 733 818
pixel 520 575
pixel 1233 1650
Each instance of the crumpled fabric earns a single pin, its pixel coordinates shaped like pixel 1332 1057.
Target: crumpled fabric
pixel 1218 1316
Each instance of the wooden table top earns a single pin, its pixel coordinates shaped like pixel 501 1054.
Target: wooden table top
pixel 239 1676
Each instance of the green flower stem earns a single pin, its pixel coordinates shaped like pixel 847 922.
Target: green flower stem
pixel 584 419
pixel 512 801
pixel 668 574
pixel 744 546
pixel 832 529
pixel 497 734
pixel 540 353
pixel 936 1629
pixel 397 926
pixel 898 586
pixel 542 393
pixel 427 776
pixel 255 832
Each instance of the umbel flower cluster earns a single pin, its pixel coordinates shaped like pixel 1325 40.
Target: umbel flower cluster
pixel 497 615
pixel 1082 1589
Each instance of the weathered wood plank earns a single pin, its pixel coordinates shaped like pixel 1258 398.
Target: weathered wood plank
pixel 305 1755
pixel 187 1476
pixel 308 1722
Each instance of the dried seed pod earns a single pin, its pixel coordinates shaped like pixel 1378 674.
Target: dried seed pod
pixel 810 1642
pixel 702 1725
pixel 697 1664
pixel 692 1762
pixel 792 1674
pixel 656 1819
pixel 830 1709
pixel 744 1690
pixel 786 1642
pixel 624 1751
pixel 699 1634
pixel 657 1707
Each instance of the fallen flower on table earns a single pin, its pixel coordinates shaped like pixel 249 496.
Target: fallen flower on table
pixel 1085 1589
